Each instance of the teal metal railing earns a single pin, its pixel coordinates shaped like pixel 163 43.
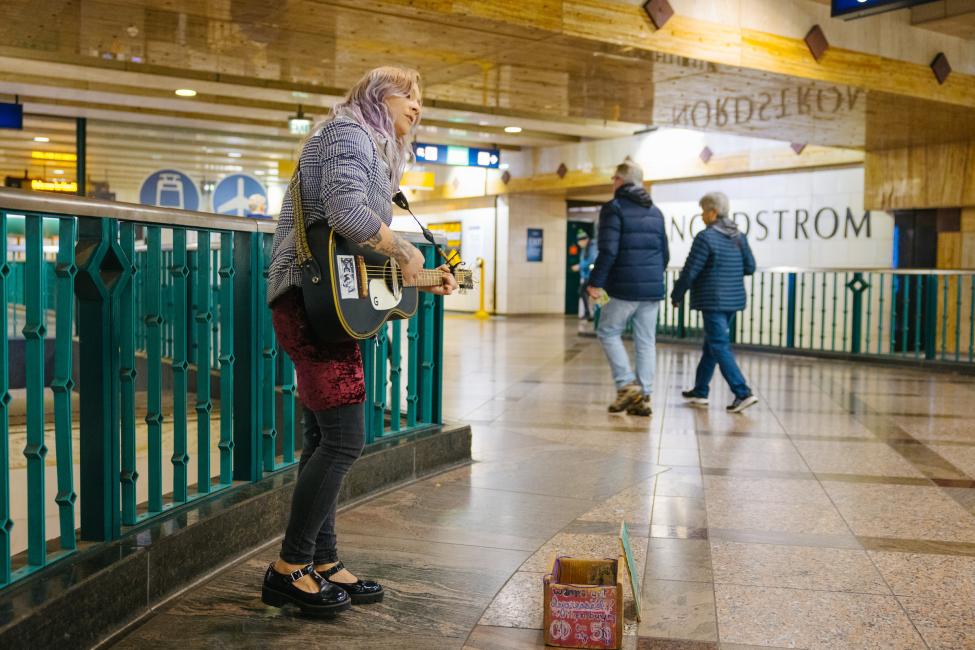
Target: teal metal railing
pixel 165 377
pixel 920 314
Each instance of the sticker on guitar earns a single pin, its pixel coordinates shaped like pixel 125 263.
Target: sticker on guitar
pixel 348 282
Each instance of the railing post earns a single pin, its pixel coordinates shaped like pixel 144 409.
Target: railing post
pixel 930 307
pixel 790 310
pixel 102 270
pixel 857 285
pixel 248 323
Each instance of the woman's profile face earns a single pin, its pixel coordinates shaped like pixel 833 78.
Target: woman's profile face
pixel 405 112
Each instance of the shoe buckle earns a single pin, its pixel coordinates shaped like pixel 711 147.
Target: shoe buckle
pixel 296 575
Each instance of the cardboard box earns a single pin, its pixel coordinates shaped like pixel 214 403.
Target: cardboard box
pixel 584 603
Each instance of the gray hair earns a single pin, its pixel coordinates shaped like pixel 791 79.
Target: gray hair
pixel 630 171
pixel 717 201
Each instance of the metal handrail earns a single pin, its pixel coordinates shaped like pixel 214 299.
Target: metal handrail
pixel 14 200
pixel 37 202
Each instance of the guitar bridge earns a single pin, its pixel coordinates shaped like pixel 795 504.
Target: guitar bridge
pixel 360 263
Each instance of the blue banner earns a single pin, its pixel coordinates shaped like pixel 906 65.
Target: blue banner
pixel 169 188
pixel 533 250
pixel 442 154
pixel 11 116
pixel 859 8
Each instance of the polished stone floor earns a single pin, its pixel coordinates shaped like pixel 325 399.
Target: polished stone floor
pixel 838 513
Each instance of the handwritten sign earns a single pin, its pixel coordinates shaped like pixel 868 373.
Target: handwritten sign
pixel 583 617
pixel 630 566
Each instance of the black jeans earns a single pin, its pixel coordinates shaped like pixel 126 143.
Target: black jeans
pixel 333 440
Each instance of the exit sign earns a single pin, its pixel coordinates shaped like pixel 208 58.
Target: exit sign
pixel 849 9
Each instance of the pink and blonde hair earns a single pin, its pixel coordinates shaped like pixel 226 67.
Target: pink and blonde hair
pixel 365 103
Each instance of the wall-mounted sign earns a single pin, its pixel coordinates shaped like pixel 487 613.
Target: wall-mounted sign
pixel 533 249
pixel 240 195
pixel 442 154
pixel 54 155
pixel 451 231
pixel 11 116
pixel 169 188
pixel 850 9
pixel 416 180
pixel 54 186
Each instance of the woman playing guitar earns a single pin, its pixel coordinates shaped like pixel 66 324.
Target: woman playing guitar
pixel 350 168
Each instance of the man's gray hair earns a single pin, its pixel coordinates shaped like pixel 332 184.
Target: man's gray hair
pixel 630 171
pixel 717 201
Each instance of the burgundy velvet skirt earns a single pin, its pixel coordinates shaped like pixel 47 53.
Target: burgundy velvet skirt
pixel 329 375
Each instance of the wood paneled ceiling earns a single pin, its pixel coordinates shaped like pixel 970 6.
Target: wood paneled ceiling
pixel 485 65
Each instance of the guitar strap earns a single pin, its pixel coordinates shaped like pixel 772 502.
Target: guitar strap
pixel 302 250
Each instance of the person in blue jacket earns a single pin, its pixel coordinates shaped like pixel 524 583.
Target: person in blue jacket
pixel 587 257
pixel 715 271
pixel 633 255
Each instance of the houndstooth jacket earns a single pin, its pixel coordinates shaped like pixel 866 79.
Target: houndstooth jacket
pixel 343 180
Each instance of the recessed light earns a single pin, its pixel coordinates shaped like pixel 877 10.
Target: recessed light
pixel 512 129
pixel 41 138
pixel 234 154
pixel 59 172
pixel 259 172
pixel 186 92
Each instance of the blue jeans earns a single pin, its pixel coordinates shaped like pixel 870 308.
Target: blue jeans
pixel 717 352
pixel 612 321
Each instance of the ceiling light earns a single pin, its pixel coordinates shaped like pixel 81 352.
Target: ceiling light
pixel 234 154
pixel 512 129
pixel 259 172
pixel 186 92
pixel 59 172
pixel 41 138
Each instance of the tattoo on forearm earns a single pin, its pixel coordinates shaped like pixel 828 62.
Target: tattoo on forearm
pixel 394 246
pixel 402 249
pixel 373 242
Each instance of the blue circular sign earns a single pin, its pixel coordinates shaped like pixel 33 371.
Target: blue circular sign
pixel 240 195
pixel 170 188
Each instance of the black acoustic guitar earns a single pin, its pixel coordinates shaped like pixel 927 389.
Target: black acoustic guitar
pixel 350 291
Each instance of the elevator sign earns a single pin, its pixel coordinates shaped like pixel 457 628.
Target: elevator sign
pixel 441 154
pixel 169 188
pixel 850 9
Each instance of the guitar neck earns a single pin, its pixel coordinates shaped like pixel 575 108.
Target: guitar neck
pixel 427 278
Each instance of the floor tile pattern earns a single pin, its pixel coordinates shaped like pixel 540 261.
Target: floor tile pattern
pixel 837 513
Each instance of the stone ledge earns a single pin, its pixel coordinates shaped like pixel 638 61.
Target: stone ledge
pixel 89 596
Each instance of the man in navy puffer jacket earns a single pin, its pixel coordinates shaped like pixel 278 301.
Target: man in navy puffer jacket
pixel 715 271
pixel 633 255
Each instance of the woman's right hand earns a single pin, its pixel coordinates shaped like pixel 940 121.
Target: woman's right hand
pixel 412 266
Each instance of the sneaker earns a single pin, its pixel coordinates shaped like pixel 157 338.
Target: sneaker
pixel 742 403
pixel 694 398
pixel 640 407
pixel 625 396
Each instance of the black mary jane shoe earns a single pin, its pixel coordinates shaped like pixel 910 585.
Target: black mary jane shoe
pixel 279 590
pixel 362 592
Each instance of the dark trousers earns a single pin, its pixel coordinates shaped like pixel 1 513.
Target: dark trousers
pixel 333 440
pixel 717 352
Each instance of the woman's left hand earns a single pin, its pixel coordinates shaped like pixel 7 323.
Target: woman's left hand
pixel 448 283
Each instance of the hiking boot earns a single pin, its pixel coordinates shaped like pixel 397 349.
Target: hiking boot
pixel 692 397
pixel 625 397
pixel 640 407
pixel 742 403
